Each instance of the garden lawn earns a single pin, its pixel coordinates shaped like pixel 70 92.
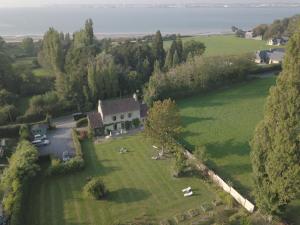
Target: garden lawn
pixel 138 186
pixel 225 44
pixel 224 122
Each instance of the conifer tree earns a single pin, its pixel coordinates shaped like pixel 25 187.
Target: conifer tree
pixel 176 60
pixel 158 49
pixel 169 60
pixel 276 144
pixel 179 48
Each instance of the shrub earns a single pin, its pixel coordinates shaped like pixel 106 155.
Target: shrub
pixel 83 122
pixel 136 123
pixel 24 132
pixel 29 118
pixel 83 134
pixel 180 164
pixel 74 164
pixel 9 131
pixel 201 153
pixel 95 189
pixel 60 168
pixel 76 142
pixel 128 125
pixel 21 169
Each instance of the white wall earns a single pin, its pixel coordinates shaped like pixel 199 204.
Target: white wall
pixel 109 119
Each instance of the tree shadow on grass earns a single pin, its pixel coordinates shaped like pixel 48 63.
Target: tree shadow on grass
pixel 128 195
pixel 227 176
pixel 186 120
pixel 94 166
pixel 229 147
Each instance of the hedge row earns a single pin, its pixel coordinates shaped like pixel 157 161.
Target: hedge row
pixel 75 164
pixel 77 145
pixel 82 122
pixel 15 179
pixel 59 168
pixel 12 131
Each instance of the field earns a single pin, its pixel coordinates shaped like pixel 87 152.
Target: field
pixel 224 122
pixel 138 185
pixel 225 44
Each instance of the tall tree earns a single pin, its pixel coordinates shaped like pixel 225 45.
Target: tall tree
pixel 89 31
pixel 28 46
pixel 194 48
pixel 179 48
pixel 163 122
pixel 51 54
pixel 276 144
pixel 176 60
pixel 169 60
pixel 158 49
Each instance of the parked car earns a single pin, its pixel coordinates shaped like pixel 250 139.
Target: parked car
pixel 66 156
pixel 40 137
pixel 39 142
pixel 78 116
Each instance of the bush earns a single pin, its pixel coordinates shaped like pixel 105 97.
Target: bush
pixel 60 168
pixel 95 189
pixel 128 125
pixel 76 142
pixel 201 153
pixel 9 131
pixel 15 178
pixel 24 132
pixel 29 118
pixel 136 123
pixel 83 122
pixel 74 164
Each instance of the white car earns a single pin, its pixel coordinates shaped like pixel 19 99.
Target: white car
pixel 40 137
pixel 40 142
pixel 66 156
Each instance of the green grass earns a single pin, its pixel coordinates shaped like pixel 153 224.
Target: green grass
pixel 225 44
pixel 138 185
pixel 22 104
pixel 24 61
pixel 224 121
pixel 41 72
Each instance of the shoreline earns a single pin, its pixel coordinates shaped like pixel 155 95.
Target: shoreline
pixel 99 36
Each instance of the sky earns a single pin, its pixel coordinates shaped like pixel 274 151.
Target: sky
pixel 22 3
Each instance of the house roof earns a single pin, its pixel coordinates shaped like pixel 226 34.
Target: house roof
pixel 276 55
pixel 144 110
pixel 95 120
pixel 111 107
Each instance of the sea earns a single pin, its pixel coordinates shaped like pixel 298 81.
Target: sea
pixel 137 20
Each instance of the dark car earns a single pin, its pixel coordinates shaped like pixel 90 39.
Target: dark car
pixel 78 116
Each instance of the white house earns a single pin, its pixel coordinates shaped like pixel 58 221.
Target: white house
pixel 116 114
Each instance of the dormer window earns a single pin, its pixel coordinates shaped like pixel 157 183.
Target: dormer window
pixel 129 115
pixel 114 118
pixel 122 117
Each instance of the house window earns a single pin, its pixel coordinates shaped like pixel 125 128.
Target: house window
pixel 114 118
pixel 115 126
pixel 122 117
pixel 129 115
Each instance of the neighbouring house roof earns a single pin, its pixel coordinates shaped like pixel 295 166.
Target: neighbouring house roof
pixel 111 107
pixel 276 56
pixel 273 54
pixel 95 120
pixel 144 110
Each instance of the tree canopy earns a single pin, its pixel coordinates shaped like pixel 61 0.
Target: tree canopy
pixel 163 123
pixel 276 143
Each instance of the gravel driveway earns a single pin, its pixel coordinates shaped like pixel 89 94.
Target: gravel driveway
pixel 60 138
